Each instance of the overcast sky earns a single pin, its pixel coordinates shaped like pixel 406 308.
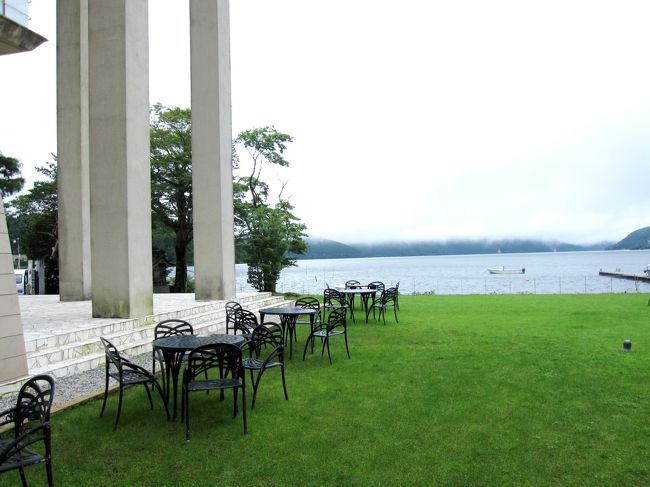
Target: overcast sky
pixel 414 119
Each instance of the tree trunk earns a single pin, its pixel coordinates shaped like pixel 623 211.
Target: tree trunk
pixel 180 282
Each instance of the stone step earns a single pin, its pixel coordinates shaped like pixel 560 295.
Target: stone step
pixel 78 352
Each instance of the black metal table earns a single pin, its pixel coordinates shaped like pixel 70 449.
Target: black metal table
pixel 288 317
pixel 173 349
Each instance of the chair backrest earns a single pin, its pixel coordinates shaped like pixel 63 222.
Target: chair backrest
pixel 331 297
pixel 267 340
pixel 34 401
pixel 378 285
pixel 231 308
pixel 389 296
pixel 308 303
pixel 225 357
pixel 336 319
pixel 352 284
pixel 245 321
pixel 113 356
pixel 172 327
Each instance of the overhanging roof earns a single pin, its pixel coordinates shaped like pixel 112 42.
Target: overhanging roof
pixel 16 38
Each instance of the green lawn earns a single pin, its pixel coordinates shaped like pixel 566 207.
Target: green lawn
pixel 464 390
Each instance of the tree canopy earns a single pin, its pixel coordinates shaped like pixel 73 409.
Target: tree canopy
pixel 34 218
pixel 10 179
pixel 265 232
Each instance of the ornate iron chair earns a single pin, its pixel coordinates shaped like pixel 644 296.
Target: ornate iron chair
pixel 266 351
pixel 31 435
pixel 397 295
pixel 127 373
pixel 334 326
pixel 388 299
pixel 245 322
pixel 165 329
pixel 226 360
pixel 307 303
pixel 379 287
pixel 352 284
pixel 332 299
pixel 231 308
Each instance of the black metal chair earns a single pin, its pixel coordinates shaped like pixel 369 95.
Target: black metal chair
pixel 165 329
pixel 31 436
pixel 127 373
pixel 335 325
pixel 224 360
pixel 352 284
pixel 379 287
pixel 266 351
pixel 397 295
pixel 332 299
pixel 387 299
pixel 307 303
pixel 231 308
pixel 245 322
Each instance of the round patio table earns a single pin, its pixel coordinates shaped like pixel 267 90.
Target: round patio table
pixel 288 317
pixel 365 292
pixel 174 348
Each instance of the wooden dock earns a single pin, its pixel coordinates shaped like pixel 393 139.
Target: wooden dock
pixel 622 275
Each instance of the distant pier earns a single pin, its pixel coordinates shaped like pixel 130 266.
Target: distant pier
pixel 622 275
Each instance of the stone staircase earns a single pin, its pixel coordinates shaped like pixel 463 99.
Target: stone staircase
pixel 72 352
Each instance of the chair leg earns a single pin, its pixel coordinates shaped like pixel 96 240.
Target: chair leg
pixel 119 407
pixel 23 479
pixel 284 384
pixel 48 470
pixel 186 403
pixel 105 397
pixel 395 310
pixel 326 342
pixel 345 335
pixel 256 384
pixel 146 388
pixel 309 339
pixel 243 401
pixel 235 394
pixel 164 399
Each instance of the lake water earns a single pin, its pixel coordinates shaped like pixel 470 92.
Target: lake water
pixel 546 273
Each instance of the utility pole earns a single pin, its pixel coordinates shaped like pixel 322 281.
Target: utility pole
pixel 17 242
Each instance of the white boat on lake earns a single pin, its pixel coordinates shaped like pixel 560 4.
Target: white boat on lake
pixel 503 270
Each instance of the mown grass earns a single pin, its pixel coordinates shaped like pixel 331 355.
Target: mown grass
pixel 465 390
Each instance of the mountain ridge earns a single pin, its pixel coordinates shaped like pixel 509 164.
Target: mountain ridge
pixel 320 248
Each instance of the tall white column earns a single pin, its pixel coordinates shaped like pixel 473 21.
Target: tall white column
pixel 72 150
pixel 120 188
pixel 13 361
pixel 214 247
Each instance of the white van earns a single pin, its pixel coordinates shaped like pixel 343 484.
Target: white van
pixel 22 279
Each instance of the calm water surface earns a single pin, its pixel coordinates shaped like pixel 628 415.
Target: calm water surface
pixel 546 273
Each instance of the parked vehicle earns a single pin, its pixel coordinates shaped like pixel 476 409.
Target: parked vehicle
pixel 26 281
pixel 22 278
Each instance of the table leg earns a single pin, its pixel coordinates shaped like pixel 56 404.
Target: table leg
pixel 173 362
pixel 351 306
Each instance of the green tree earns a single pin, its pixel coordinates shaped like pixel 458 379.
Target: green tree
pixel 265 233
pixel 33 217
pixel 10 180
pixel 171 182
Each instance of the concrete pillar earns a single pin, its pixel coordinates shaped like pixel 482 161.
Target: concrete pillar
pixel 72 150
pixel 120 188
pixel 214 245
pixel 13 362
